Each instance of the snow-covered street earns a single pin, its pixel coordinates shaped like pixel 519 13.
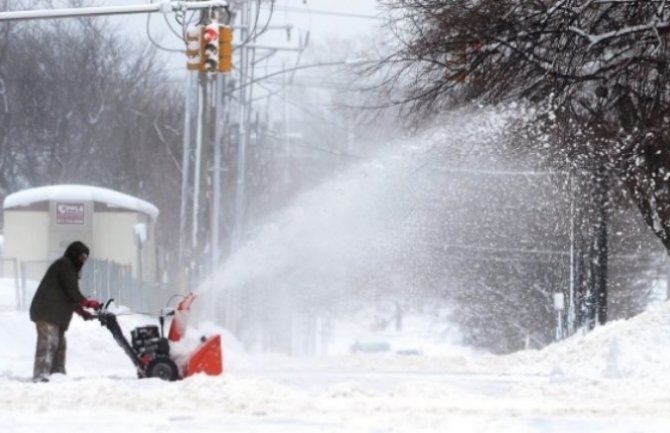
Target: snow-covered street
pixel 347 403
pixel 614 379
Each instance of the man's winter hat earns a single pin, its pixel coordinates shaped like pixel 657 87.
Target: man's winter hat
pixel 74 250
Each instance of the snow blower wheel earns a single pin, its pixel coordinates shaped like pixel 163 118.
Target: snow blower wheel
pixel 163 368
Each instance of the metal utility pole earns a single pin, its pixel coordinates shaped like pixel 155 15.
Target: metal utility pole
pixel 287 143
pixel 200 132
pixel 219 109
pixel 245 15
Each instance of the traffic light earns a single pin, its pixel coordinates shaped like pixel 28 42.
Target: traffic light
pixel 211 46
pixel 194 49
pixel 225 49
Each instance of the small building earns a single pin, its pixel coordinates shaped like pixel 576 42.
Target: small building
pixel 39 223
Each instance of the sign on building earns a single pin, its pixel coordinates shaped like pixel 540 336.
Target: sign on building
pixel 70 213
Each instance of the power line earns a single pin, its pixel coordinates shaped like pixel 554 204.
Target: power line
pixel 331 13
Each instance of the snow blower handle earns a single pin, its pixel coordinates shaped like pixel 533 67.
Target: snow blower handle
pixel 102 308
pixel 103 315
pixel 106 305
pixel 167 312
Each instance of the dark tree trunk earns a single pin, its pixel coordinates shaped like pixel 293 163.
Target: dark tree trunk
pixel 601 251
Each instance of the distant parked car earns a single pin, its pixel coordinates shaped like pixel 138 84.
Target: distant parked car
pixel 409 352
pixel 370 347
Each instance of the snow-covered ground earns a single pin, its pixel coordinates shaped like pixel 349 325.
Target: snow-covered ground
pixel 615 379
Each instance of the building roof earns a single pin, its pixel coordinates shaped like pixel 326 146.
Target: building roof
pixel 79 192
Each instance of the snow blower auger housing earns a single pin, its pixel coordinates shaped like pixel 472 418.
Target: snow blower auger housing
pixel 149 350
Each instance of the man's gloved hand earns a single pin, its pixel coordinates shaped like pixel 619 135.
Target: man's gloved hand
pixel 90 303
pixel 83 313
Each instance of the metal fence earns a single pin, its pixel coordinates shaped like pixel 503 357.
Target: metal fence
pixel 100 279
pixel 11 295
pixel 104 279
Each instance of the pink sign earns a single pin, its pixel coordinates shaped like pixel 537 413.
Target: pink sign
pixel 70 213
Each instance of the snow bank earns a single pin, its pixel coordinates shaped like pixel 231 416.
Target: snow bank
pixel 637 347
pixel 10 293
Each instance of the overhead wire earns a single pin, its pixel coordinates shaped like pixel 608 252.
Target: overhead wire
pixel 267 22
pixel 182 18
pixel 306 110
pixel 252 31
pixel 309 145
pixel 153 41
pixel 310 11
pixel 169 25
pixel 157 45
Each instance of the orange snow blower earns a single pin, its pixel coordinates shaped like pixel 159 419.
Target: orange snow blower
pixel 207 357
pixel 149 350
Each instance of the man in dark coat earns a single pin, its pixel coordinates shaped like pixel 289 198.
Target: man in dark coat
pixel 56 298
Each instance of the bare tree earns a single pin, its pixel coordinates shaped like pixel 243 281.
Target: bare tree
pixel 602 64
pixel 81 104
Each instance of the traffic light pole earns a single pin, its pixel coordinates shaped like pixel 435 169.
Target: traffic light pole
pixel 200 132
pixel 163 7
pixel 208 50
pixel 185 164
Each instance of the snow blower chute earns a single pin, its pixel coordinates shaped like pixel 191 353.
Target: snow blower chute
pixel 149 350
